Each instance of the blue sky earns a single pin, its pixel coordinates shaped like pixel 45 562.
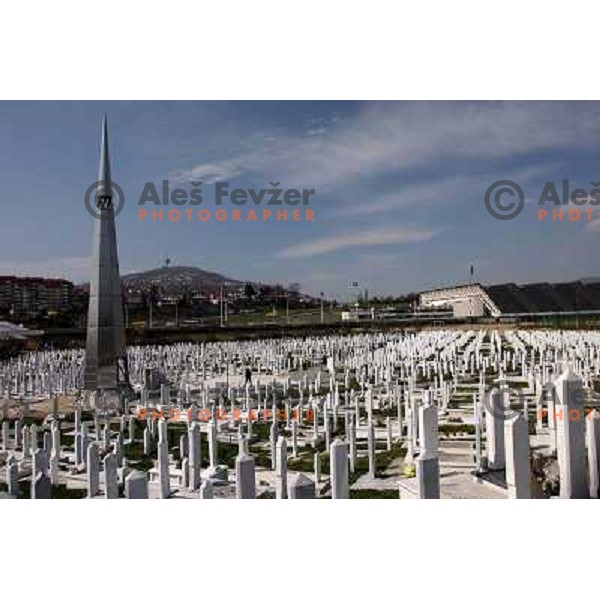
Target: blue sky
pixel 399 188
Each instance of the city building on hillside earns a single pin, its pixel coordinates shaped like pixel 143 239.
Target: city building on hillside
pixel 26 297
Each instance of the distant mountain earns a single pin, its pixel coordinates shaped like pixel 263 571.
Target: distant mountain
pixel 190 274
pixel 176 280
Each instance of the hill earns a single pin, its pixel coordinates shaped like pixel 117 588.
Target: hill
pixel 176 279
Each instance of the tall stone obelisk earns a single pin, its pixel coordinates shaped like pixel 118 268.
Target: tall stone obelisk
pixel 106 355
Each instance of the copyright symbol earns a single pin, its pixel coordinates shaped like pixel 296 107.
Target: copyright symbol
pixel 504 211
pixel 91 199
pixel 499 401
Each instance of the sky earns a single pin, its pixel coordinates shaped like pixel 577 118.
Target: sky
pixel 399 189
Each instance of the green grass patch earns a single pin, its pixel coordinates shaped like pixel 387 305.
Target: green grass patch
pixel 374 494
pixel 455 428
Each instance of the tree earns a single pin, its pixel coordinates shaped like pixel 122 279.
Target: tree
pixel 249 291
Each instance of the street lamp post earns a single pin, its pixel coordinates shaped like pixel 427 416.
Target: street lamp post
pixel 321 308
pixel 227 376
pixel 221 311
pixel 354 302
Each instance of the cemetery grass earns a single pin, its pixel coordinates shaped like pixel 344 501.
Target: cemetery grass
pixel 374 494
pixel 58 492
pixel 383 459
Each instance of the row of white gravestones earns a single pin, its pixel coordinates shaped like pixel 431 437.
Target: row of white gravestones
pixel 424 344
pixel 188 360
pixel 133 481
pixel 508 441
pixel 190 445
pixel 339 470
pixel 500 437
pixel 300 486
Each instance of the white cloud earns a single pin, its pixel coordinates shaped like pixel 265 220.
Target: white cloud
pixel 447 189
pixel 74 268
pixel 209 172
pixel 357 239
pixel 397 136
pixel 593 226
